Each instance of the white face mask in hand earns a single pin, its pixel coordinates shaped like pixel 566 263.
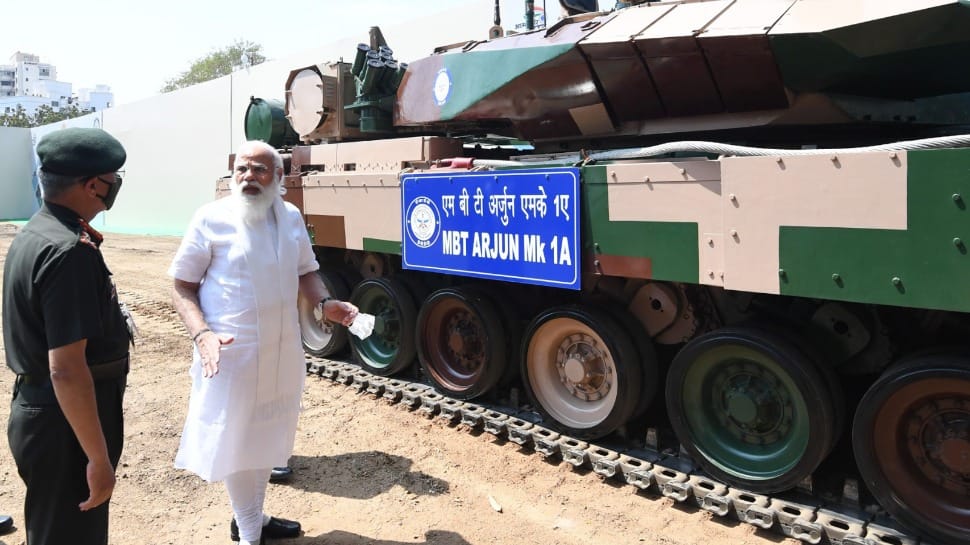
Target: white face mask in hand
pixel 363 325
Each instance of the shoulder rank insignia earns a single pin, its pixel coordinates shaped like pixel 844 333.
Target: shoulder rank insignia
pixel 90 235
pixel 86 239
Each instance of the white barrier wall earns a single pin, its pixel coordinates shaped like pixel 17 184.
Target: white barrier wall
pixel 16 174
pixel 179 143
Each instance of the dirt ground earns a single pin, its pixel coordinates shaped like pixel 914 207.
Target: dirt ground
pixel 367 472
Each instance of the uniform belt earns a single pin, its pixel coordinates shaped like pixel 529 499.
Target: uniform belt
pixel 110 370
pixel 100 371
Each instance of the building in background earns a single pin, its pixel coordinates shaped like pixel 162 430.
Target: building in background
pixel 97 99
pixel 30 83
pixel 8 81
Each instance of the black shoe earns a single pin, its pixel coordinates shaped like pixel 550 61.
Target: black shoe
pixel 6 524
pixel 277 529
pixel 280 474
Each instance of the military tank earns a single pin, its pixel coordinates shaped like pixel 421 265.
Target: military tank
pixel 720 245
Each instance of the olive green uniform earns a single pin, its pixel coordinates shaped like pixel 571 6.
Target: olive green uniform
pixel 57 290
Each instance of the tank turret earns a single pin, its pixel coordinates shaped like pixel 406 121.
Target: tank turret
pixel 686 67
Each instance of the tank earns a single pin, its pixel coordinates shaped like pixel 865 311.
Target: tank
pixel 724 239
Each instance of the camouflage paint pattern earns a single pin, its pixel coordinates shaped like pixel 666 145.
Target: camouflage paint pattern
pixel 924 265
pixel 887 228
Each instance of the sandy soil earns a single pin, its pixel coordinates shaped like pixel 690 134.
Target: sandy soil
pixel 367 472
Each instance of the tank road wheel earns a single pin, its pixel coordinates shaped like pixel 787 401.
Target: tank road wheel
pixel 751 408
pixel 390 348
pixel 319 338
pixel 581 369
pixel 461 342
pixel 911 438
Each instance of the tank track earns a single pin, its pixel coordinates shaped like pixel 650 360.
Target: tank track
pixel 671 474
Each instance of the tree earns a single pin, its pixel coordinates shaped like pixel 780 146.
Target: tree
pixel 218 63
pixel 46 114
pixel 16 118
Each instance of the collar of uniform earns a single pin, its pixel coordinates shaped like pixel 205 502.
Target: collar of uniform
pixel 64 214
pixel 89 235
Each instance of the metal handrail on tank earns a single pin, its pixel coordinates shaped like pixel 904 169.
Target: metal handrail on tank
pixel 940 142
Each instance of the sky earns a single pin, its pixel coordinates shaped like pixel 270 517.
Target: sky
pixel 135 47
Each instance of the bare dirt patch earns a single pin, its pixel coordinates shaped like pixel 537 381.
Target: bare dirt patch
pixel 367 472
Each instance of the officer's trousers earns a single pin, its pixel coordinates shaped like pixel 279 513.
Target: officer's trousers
pixel 53 466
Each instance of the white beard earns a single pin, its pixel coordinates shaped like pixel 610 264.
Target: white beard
pixel 254 207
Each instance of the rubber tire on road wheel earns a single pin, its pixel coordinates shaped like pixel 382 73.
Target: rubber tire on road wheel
pixel 461 342
pixel 922 398
pixel 578 333
pixel 751 408
pixel 391 347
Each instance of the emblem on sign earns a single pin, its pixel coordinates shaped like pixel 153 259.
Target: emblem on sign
pixel 423 224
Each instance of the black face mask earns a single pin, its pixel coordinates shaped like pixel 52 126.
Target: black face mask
pixel 113 188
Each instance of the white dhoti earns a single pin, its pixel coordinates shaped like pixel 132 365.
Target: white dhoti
pixel 245 417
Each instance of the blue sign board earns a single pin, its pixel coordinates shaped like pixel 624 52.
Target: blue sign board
pixel 513 225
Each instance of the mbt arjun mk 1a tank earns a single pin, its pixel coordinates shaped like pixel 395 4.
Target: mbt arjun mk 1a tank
pixel 731 229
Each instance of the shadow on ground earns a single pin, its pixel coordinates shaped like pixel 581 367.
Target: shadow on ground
pixel 376 472
pixel 338 537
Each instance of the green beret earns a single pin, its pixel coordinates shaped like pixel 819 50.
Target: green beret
pixel 80 152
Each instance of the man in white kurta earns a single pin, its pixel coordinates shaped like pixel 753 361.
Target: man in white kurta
pixel 237 273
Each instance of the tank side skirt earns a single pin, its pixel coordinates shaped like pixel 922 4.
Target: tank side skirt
pixel 882 228
pixel 923 266
pixel 663 243
pixel 377 245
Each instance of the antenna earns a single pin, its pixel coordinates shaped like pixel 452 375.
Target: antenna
pixel 496 31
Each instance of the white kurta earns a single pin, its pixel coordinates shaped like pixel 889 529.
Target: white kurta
pixel 245 416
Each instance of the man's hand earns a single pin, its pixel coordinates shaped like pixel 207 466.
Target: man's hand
pixel 340 312
pixel 185 297
pixel 101 483
pixel 209 345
